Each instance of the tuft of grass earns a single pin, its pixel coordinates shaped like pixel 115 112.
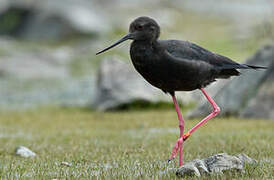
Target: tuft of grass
pixel 124 145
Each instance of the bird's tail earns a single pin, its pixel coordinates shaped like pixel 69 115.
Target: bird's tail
pixel 231 69
pixel 240 66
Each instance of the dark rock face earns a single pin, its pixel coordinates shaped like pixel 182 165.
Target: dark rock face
pixel 249 95
pixel 214 164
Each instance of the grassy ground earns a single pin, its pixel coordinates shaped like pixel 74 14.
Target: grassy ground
pixel 124 145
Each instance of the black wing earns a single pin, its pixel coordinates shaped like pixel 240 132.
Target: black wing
pixel 191 51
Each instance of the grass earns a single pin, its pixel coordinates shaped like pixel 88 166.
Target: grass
pixel 124 145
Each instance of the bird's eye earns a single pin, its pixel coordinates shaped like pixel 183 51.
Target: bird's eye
pixel 139 27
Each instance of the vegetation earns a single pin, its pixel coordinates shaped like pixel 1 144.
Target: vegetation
pixel 124 145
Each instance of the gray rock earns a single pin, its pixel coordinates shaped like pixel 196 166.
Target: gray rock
pixel 196 167
pixel 24 152
pixel 245 159
pixel 119 83
pixel 214 164
pixel 221 162
pixel 50 19
pixel 236 96
pixel 64 163
pixel 262 105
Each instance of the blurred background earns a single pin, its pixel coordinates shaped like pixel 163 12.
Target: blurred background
pixel 54 90
pixel 47 50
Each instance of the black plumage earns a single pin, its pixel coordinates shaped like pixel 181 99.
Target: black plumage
pixel 173 65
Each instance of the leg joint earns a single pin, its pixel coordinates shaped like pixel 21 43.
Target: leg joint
pixel 216 110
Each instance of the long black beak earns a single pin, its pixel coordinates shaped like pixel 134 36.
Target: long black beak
pixel 126 37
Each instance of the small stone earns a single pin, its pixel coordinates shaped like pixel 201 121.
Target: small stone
pixel 189 169
pixel 24 152
pixel 66 164
pixel 217 163
pixel 201 166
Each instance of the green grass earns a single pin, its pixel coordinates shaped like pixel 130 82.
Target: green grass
pixel 124 145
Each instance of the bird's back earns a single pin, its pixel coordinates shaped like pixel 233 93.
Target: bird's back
pixel 192 52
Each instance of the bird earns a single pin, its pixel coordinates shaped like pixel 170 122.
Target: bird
pixel 176 65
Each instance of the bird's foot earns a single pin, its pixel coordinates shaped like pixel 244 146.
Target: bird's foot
pixel 177 146
pixel 175 149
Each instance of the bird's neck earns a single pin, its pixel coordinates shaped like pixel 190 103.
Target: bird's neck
pixel 143 50
pixel 146 43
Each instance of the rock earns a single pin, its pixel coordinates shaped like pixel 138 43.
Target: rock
pixel 221 162
pixel 24 152
pixel 196 167
pixel 214 164
pixel 262 105
pixel 245 159
pixel 119 83
pixel 50 19
pixel 64 163
pixel 247 92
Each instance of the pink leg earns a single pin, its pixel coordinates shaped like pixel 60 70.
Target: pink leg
pixel 214 113
pixel 179 143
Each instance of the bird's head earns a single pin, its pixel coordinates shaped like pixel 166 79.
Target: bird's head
pixel 144 29
pixel 141 29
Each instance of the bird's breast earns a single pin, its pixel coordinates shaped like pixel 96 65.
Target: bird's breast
pixel 148 63
pixel 141 55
